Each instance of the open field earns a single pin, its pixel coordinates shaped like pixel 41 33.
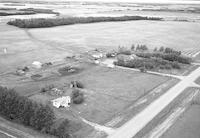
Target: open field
pixel 187 125
pixel 108 91
pixel 104 35
pixel 80 38
pixel 165 120
pixel 112 96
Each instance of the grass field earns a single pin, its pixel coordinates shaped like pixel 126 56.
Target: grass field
pixel 107 91
pixel 187 126
pixel 80 38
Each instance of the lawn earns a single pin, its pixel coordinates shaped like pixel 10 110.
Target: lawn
pixel 107 91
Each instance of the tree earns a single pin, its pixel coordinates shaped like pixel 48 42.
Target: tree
pixel 161 49
pixel 155 49
pixel 132 47
pixel 43 117
pixel 138 47
pixel 168 50
pixel 77 96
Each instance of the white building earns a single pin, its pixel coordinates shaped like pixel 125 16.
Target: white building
pixel 62 102
pixel 37 64
pixel 97 55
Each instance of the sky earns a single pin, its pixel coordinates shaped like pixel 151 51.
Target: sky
pixel 148 1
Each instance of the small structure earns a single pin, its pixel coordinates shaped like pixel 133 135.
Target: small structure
pixel 56 91
pixel 37 64
pixel 97 56
pixel 20 72
pixel 110 65
pixel 5 50
pixel 62 102
pixel 97 62
pixel 126 58
pixel 133 56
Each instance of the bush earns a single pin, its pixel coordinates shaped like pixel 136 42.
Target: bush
pixel 47 88
pixel 68 70
pixel 143 69
pixel 77 84
pixel 133 47
pixel 124 51
pixel 111 54
pixel 176 65
pixel 174 57
pixel 60 128
pixel 25 69
pixel 108 55
pixel 77 97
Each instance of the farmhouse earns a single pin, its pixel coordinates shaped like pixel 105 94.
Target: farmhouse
pixel 62 102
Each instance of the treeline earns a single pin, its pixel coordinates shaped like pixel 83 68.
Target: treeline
pixel 16 13
pixel 41 22
pixel 27 112
pixel 38 10
pixel 167 50
pixel 166 54
pixel 149 64
pixel 162 58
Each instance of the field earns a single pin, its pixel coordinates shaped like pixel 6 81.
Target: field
pixel 108 92
pixel 187 126
pixel 103 86
pixel 80 38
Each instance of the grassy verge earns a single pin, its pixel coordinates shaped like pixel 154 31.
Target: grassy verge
pixel 41 22
pixel 164 113
pixel 137 106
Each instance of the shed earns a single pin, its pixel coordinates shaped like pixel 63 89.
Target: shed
pixel 97 55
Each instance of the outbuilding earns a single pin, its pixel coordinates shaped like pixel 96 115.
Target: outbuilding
pixel 37 64
pixel 63 101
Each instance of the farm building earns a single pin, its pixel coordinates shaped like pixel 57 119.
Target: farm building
pixel 126 57
pixel 37 64
pixel 62 102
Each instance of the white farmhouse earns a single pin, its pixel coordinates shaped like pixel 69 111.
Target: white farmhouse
pixel 63 101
